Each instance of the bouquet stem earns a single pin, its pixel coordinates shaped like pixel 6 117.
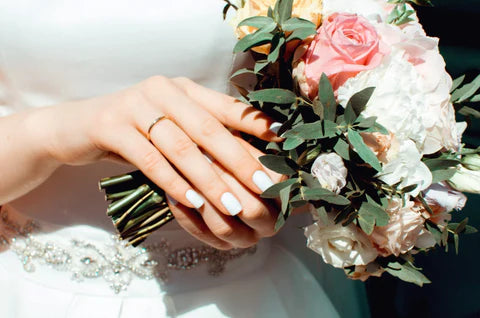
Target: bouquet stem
pixel 137 206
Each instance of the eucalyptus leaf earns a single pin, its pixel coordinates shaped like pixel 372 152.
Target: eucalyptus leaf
pixel 466 91
pixel 330 129
pixel 280 222
pixel 310 180
pixel 292 143
pixel 274 191
pixel 252 40
pixel 342 148
pixel 260 65
pixel 441 164
pixel 318 108
pixel 280 164
pixel 308 131
pixel 297 23
pixel 257 22
pixel 273 95
pixel 363 151
pixel 407 273
pixel 320 194
pixel 457 82
pixel 360 100
pixel 301 34
pixel 373 214
pixel 322 214
pixel 468 111
pixel 277 44
pixel 327 98
pixel 285 197
pixel 442 175
pixel 242 71
pixel 284 10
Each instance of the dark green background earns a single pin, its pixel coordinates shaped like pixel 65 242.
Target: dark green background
pixel 455 288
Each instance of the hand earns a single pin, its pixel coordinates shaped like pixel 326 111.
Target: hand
pixel 116 126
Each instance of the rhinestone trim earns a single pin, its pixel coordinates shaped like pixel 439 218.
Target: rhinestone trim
pixel 115 262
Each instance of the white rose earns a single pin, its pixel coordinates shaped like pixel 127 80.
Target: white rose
pixel 405 230
pixel 407 168
pixel 330 171
pixel 465 180
pixel 340 246
pixel 441 195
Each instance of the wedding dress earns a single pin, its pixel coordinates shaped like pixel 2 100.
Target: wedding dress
pixel 60 256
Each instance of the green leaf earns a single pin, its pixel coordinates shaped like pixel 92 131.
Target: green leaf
pixel 292 143
pixel 330 129
pixel 363 151
pixel 277 44
pixel 242 71
pixel 320 194
pixel 327 98
pixel 468 111
pixel 318 108
pixel 280 164
pixel 308 131
pixel 260 65
pixel 475 99
pixel 280 222
pixel 257 22
pixel 310 180
pixel 359 100
pixel 273 95
pixel 457 82
pixel 342 148
pixel 456 239
pixel 366 122
pixel 297 23
pixel 284 10
pixel 370 214
pixel 441 164
pixel 407 272
pixel 466 91
pixel 252 40
pixel 301 34
pixel 285 197
pixel 350 115
pixel 442 175
pixel 274 191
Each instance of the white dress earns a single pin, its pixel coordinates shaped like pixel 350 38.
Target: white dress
pixel 60 257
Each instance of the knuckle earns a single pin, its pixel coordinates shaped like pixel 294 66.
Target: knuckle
pixel 224 231
pixel 210 126
pixel 256 212
pixel 151 161
pixel 183 147
pixel 183 81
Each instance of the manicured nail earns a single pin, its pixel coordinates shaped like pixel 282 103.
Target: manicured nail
pixel 171 200
pixel 262 180
pixel 195 199
pixel 275 127
pixel 231 203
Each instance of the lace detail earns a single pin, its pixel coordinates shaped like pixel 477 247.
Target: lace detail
pixel 116 262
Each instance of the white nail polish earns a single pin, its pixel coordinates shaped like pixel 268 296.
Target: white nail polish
pixel 171 200
pixel 195 199
pixel 262 180
pixel 231 203
pixel 275 127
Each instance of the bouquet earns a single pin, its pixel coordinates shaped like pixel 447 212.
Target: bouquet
pixel 371 146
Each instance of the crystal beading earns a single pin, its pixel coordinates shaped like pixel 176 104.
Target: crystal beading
pixel 115 262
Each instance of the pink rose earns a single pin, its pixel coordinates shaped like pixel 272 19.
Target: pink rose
pixel 345 45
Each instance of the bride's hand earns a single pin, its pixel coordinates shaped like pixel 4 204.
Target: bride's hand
pixel 117 126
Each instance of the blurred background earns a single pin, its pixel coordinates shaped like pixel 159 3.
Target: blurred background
pixel 455 288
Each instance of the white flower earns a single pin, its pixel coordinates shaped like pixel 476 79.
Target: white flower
pixel 373 10
pixel 340 246
pixel 405 230
pixel 465 180
pixel 407 169
pixel 330 171
pixel 471 162
pixel 441 195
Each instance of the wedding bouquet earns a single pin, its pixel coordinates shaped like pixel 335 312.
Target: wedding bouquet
pixel 371 144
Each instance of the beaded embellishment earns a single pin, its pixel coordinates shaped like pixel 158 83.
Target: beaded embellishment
pixel 115 262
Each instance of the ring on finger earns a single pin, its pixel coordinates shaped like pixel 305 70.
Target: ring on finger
pixel 156 121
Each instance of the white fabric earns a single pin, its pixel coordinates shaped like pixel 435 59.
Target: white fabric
pixel 52 51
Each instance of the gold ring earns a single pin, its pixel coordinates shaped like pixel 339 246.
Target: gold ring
pixel 153 124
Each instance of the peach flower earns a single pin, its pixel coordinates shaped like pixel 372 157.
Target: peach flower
pixel 363 272
pixel 405 227
pixel 307 9
pixel 345 45
pixel 383 146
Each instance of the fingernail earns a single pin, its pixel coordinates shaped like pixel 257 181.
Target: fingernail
pixel 231 203
pixel 275 127
pixel 171 200
pixel 195 199
pixel 262 180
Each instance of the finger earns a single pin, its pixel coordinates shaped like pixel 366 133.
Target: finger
pixel 181 151
pixel 193 223
pixel 258 214
pixel 134 148
pixel 210 134
pixel 226 228
pixel 231 112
